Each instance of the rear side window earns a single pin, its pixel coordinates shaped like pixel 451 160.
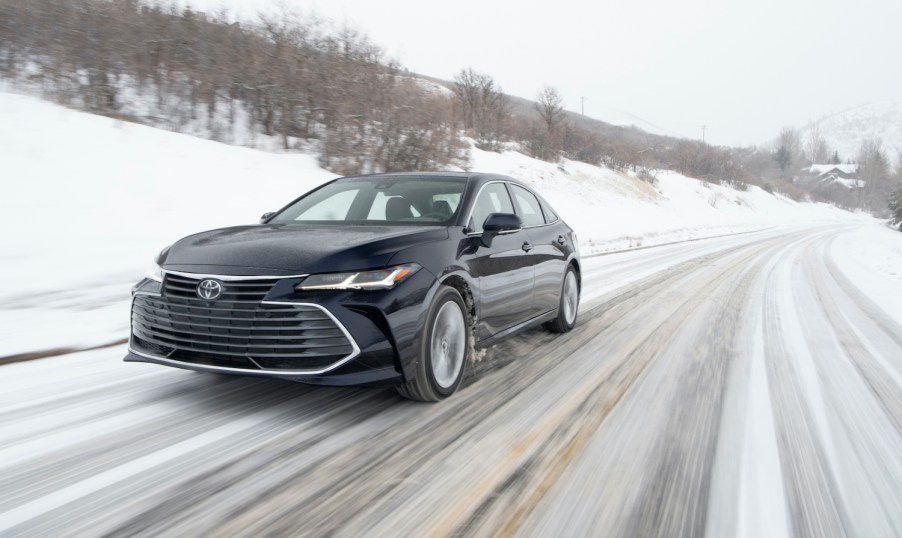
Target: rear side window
pixel 550 215
pixel 529 209
pixel 492 199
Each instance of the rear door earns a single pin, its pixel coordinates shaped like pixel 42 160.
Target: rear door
pixel 550 249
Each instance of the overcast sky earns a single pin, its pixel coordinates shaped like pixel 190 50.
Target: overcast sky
pixel 744 69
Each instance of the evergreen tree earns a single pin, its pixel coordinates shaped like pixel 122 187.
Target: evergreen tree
pixel 874 170
pixel 895 207
pixel 783 158
pixel 895 197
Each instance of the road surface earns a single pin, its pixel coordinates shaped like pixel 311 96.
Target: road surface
pixel 740 386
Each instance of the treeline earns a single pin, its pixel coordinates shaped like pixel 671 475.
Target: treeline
pixel 291 78
pixel 302 80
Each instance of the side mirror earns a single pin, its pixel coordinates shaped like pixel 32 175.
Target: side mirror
pixel 266 217
pixel 499 224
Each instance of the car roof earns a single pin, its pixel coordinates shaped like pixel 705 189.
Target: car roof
pixel 475 177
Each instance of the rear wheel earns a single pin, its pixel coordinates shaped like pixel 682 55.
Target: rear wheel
pixel 569 306
pixel 444 349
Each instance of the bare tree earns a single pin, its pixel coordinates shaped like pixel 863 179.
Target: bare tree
pixel 550 106
pixel 482 105
pixel 816 148
pixel 788 150
pixel 546 138
pixel 468 87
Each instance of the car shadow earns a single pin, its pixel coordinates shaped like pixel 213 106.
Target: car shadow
pixel 206 391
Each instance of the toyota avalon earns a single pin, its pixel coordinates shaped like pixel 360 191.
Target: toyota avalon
pixel 386 279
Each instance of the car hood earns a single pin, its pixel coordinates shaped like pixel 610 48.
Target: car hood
pixel 293 249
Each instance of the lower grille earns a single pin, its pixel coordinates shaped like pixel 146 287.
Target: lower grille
pixel 244 335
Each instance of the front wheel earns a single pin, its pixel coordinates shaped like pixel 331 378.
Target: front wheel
pixel 569 306
pixel 444 350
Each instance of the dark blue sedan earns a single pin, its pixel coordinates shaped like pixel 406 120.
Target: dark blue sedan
pixel 370 280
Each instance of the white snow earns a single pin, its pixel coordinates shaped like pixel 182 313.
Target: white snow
pixel 89 201
pixel 847 183
pixel 824 168
pixel 762 502
pixel 871 257
pixel 430 87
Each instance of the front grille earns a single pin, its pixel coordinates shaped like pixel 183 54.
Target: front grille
pixel 232 290
pixel 236 331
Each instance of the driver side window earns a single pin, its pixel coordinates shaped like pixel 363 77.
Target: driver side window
pixel 493 199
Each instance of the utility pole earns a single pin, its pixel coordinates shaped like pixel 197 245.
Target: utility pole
pixel 704 128
pixel 582 105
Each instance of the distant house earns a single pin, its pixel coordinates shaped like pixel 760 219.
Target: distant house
pixel 845 175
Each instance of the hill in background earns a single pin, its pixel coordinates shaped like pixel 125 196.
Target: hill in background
pixel 847 130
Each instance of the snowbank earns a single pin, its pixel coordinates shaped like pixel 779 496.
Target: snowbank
pixel 871 257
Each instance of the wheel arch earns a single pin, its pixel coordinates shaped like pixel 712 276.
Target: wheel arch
pixel 464 288
pixel 574 263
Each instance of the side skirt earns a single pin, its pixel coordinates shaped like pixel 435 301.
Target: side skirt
pixel 507 333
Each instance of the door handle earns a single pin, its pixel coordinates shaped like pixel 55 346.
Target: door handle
pixel 560 240
pixel 526 246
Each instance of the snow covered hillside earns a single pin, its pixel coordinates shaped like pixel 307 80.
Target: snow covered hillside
pixel 846 130
pixel 613 211
pixel 88 201
pixel 624 118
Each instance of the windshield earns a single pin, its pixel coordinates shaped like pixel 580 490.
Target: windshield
pixel 380 200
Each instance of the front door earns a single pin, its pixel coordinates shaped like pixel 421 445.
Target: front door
pixel 503 270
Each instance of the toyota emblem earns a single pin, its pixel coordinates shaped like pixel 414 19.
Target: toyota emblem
pixel 209 290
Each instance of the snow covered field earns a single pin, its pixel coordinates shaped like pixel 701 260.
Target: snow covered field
pixel 88 201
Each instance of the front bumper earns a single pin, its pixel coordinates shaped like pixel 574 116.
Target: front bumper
pixel 336 378
pixel 380 327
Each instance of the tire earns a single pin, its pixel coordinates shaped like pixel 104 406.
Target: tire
pixel 569 305
pixel 444 349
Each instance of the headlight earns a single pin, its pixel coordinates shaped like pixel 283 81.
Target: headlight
pixel 378 279
pixel 154 273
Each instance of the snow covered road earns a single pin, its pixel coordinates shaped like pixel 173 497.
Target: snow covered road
pixel 748 385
